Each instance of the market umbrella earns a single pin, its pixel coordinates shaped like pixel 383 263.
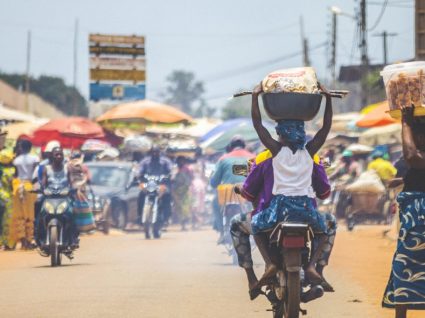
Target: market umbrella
pixel 71 132
pixel 378 116
pixel 219 142
pixel 224 126
pixel 15 130
pixel 389 134
pixel 142 112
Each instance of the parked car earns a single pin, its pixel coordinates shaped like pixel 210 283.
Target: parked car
pixel 114 195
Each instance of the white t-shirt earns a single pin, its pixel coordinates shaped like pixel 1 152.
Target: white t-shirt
pixel 292 173
pixel 25 165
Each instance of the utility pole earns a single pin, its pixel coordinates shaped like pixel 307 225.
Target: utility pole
pixel 384 36
pixel 27 72
pixel 333 58
pixel 74 106
pixel 420 29
pixel 304 44
pixel 363 50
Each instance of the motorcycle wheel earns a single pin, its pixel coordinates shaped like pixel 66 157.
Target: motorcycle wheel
pixel 55 257
pixel 157 230
pixel 292 305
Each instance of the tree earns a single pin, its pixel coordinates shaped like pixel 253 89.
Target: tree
pixel 52 90
pixel 183 90
pixel 237 107
pixel 375 86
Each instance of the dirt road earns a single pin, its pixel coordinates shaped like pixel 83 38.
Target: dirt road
pixel 182 275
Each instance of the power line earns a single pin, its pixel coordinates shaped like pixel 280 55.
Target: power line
pixel 381 14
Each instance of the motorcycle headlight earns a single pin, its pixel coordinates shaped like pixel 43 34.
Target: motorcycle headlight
pixel 48 207
pixel 151 186
pixel 62 207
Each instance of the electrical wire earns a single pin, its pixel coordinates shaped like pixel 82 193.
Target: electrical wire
pixel 381 14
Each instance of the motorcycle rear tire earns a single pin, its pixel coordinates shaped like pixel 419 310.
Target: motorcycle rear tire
pixel 292 307
pixel 55 257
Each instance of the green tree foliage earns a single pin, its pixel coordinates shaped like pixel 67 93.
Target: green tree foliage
pixel 183 91
pixel 375 86
pixel 237 107
pixel 51 89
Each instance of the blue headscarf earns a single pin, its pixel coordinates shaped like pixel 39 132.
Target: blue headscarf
pixel 293 132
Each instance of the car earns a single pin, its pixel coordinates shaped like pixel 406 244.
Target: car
pixel 114 195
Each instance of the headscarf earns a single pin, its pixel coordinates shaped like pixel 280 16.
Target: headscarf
pixel 6 156
pixel 293 132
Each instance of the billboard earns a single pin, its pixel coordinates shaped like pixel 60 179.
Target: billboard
pixel 117 67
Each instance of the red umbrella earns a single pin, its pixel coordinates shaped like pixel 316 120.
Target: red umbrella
pixel 71 132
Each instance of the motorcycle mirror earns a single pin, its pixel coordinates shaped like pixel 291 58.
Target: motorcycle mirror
pixel 240 170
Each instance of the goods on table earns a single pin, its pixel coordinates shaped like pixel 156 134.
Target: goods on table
pixel 405 86
pixel 294 80
pixel 368 181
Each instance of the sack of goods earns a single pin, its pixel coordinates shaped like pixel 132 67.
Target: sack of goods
pixel 405 86
pixel 292 94
pixel 293 80
pixel 369 182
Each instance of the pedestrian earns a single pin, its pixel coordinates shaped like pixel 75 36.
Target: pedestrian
pixel 181 191
pixel 406 288
pixel 198 190
pixel 22 221
pixel 7 172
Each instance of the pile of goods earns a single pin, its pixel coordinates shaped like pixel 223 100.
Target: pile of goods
pixel 294 80
pixel 292 94
pixel 405 86
pixel 368 182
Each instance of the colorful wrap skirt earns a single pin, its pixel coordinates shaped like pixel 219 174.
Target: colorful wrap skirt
pixel 406 285
pixel 289 209
pixel 83 215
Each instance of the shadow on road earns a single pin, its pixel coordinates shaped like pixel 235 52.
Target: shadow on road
pixel 64 265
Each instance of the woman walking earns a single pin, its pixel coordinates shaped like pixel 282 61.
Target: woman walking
pixel 406 287
pixel 7 172
pixel 181 191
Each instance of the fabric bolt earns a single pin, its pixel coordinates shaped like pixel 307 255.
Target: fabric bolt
pixel 292 173
pixel 293 132
pixel 289 209
pixel 22 220
pixel 406 283
pixel 6 193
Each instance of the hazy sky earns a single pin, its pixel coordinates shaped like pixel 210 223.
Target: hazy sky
pixel 229 44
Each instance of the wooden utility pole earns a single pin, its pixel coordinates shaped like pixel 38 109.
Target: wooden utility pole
pixel 363 50
pixel 384 36
pixel 420 29
pixel 304 44
pixel 27 73
pixel 74 102
pixel 333 58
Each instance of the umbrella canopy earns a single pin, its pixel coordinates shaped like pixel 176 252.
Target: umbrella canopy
pixel 144 112
pixel 378 116
pixel 224 126
pixel 198 128
pixel 71 132
pixel 9 114
pixel 219 142
pixel 14 131
pixel 389 134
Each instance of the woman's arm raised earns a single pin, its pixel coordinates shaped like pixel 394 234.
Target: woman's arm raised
pixel 264 135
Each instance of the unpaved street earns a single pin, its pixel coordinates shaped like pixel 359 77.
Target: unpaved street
pixel 181 275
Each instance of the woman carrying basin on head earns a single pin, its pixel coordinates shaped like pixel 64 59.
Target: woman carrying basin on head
pixel 292 189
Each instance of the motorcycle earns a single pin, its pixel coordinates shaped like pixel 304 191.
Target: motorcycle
pixel 289 288
pixel 57 226
pixel 153 187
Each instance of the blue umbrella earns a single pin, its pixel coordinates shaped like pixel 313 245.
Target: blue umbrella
pixel 228 124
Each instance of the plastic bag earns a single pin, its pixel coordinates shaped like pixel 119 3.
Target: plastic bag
pixel 295 80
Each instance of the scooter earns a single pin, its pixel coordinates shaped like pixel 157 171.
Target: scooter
pixel 56 229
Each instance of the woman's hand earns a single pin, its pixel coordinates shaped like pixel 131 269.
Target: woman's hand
pixel 407 114
pixel 258 89
pixel 324 90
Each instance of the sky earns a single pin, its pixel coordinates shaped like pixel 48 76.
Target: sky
pixel 228 44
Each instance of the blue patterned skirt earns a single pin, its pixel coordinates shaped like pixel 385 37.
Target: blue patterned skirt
pixel 406 285
pixel 289 209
